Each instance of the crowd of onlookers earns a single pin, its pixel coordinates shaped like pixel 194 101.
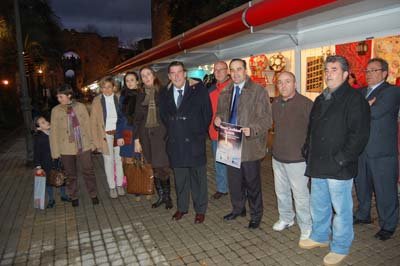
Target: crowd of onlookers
pixel 319 149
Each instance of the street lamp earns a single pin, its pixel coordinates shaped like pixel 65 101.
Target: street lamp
pixel 5 82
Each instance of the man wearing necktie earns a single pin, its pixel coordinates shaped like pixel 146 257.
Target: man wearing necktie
pixel 378 164
pixel 185 109
pixel 247 104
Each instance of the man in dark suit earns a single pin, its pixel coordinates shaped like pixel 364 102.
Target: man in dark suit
pixel 378 164
pixel 185 109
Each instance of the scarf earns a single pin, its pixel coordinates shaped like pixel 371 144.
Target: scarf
pixel 128 105
pixel 74 129
pixel 149 100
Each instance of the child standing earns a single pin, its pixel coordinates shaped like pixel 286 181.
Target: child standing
pixel 42 157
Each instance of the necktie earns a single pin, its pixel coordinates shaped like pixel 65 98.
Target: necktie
pixel 179 100
pixel 233 117
pixel 368 92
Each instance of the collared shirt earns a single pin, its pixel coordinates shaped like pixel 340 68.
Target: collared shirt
pixel 176 93
pixel 374 87
pixel 240 85
pixel 111 118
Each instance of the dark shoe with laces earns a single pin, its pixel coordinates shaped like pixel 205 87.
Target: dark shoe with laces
pixel 75 203
pixel 383 235
pixel 95 201
pixel 65 199
pixel 233 216
pixel 51 204
pixel 218 195
pixel 254 224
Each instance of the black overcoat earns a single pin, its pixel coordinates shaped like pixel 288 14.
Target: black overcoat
pixel 187 127
pixel 337 134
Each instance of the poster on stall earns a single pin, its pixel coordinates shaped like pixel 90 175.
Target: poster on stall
pixel 229 148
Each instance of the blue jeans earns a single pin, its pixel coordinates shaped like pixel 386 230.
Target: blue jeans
pixel 50 192
pixel 220 171
pixel 325 194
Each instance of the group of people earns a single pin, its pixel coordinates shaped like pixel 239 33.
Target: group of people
pixel 346 135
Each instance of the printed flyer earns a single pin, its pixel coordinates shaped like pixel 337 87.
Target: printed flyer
pixel 229 149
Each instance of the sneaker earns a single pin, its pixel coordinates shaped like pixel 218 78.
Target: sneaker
pixel 281 225
pixel 305 234
pixel 310 244
pixel 333 259
pixel 121 191
pixel 113 193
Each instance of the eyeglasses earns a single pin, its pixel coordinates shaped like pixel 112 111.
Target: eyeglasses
pixel 368 71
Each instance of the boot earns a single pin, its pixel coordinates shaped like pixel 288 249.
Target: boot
pixel 159 189
pixel 167 193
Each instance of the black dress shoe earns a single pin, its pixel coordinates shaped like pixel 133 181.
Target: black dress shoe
pixel 95 201
pixel 65 199
pixel 51 204
pixel 233 216
pixel 384 235
pixel 254 224
pixel 218 195
pixel 75 203
pixel 360 221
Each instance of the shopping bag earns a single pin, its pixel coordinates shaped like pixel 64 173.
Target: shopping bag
pixel 139 175
pixel 39 192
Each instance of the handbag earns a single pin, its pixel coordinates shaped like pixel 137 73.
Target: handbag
pixel 139 176
pixel 56 177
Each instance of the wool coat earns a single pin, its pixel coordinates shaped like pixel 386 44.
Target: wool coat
pixel 187 126
pixel 254 112
pixel 98 117
pixel 151 139
pixel 337 134
pixel 59 137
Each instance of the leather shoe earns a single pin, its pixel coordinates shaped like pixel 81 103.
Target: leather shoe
pixel 218 195
pixel 199 218
pixel 233 216
pixel 254 224
pixel 383 235
pixel 360 221
pixel 95 200
pixel 178 215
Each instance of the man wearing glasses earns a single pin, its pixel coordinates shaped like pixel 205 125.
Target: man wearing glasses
pixel 378 164
pixel 223 80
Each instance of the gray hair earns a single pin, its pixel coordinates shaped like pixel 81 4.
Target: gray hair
pixel 344 64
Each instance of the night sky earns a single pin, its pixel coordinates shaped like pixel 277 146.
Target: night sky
pixel 129 20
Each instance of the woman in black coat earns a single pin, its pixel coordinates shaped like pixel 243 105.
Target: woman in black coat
pixel 42 157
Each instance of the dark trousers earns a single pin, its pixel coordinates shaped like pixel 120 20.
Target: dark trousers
pixel 70 166
pixel 378 175
pixel 246 183
pixel 191 179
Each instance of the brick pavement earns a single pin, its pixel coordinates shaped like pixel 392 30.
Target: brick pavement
pixel 126 232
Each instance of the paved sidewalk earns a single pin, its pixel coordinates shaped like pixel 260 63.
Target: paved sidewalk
pixel 126 232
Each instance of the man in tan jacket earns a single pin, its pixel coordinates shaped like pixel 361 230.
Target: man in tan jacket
pixel 247 104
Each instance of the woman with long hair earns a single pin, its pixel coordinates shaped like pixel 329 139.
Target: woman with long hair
pixel 150 137
pixel 126 129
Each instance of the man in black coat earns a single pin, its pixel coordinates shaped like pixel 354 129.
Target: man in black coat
pixel 185 109
pixel 337 134
pixel 378 164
